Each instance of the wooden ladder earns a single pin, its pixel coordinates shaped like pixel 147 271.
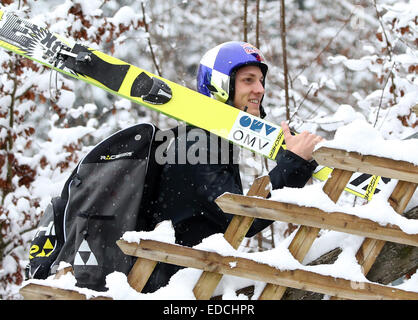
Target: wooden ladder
pixel 312 220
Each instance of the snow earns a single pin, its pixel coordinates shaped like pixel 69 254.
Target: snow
pixel 362 137
pixel 345 114
pixel 356 65
pixel 124 16
pixel 164 232
pixel 90 7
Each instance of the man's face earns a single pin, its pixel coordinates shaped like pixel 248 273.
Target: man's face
pixel 249 89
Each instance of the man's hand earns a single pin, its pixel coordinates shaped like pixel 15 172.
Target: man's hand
pixel 301 144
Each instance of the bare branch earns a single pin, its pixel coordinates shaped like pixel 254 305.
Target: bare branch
pixel 326 47
pixel 383 91
pixel 149 39
pixel 257 25
pixel 245 20
pixel 389 46
pixel 285 70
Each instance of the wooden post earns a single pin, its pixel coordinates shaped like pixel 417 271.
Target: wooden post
pixel 305 236
pixel 64 271
pixel 371 248
pixel 140 273
pixel 234 234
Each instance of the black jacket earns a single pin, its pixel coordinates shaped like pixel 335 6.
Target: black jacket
pixel 187 192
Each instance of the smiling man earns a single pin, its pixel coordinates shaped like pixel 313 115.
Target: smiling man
pixel 234 73
pixel 249 89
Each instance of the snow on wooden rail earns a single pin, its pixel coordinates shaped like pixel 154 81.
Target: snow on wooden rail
pixel 311 219
pixel 36 291
pixel 400 197
pixel 340 176
pixel 241 267
pixel 356 162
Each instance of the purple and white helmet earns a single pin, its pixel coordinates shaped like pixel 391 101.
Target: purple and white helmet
pixel 216 74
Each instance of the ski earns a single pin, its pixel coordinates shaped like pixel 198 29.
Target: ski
pixel 68 57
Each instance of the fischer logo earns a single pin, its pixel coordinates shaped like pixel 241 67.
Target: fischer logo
pixel 116 156
pixel 33 40
pixel 370 188
pixel 276 145
pixel 253 133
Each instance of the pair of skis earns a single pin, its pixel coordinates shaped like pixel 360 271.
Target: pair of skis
pixel 125 80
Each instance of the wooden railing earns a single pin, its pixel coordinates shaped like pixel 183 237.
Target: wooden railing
pixel 311 221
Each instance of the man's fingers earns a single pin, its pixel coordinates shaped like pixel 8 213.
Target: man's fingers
pixel 286 129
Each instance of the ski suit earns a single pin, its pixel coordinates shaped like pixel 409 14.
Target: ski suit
pixel 187 192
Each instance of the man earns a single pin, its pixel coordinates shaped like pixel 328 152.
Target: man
pixel 234 73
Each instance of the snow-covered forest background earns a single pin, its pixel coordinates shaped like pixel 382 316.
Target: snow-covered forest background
pixel 345 60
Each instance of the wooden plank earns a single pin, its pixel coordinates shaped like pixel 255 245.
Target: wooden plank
pixel 64 271
pixel 368 253
pixel 370 248
pixel 139 274
pixel 240 225
pixel 357 162
pixel 314 217
pixel 234 234
pixel 334 187
pixel 306 235
pixel 247 268
pixel 336 183
pixel 33 291
pixel 401 195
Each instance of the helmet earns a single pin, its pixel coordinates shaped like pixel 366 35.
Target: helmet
pixel 217 69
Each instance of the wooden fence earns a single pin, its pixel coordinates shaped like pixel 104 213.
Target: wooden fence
pixel 311 221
